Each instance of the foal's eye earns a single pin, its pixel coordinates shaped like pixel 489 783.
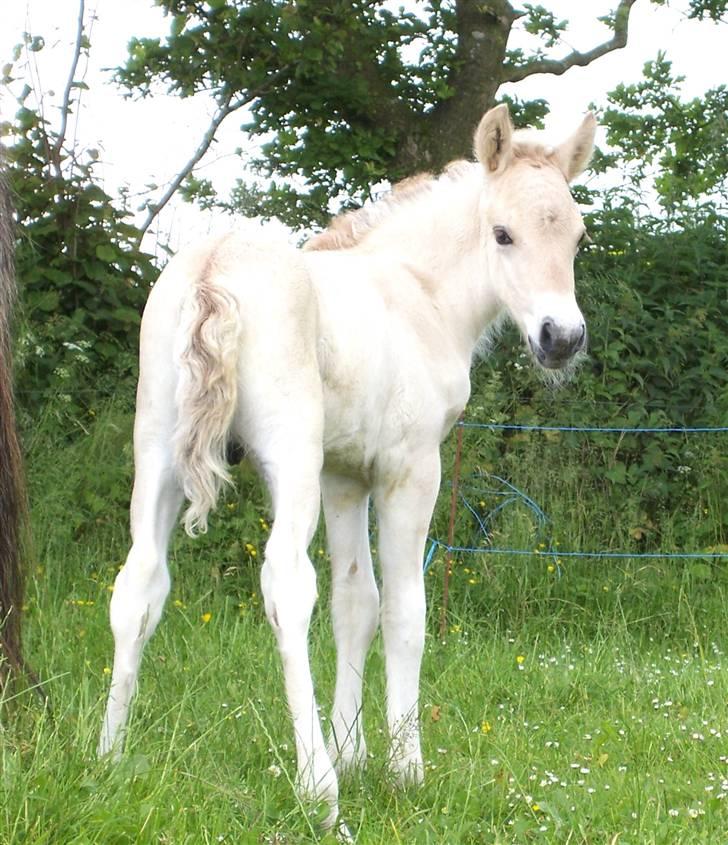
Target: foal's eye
pixel 502 238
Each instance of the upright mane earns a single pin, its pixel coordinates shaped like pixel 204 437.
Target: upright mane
pixel 350 228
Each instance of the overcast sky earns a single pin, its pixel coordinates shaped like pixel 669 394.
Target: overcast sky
pixel 148 141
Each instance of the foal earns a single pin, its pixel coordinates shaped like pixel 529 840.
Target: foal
pixel 341 369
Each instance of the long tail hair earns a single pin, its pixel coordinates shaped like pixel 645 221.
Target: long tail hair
pixel 12 489
pixel 206 400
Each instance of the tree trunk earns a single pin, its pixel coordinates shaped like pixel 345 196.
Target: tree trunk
pixel 446 132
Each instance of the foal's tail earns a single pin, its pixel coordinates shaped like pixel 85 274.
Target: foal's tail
pixel 206 399
pixel 12 496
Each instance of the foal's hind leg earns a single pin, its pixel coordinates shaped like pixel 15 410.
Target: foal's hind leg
pixel 355 610
pixel 143 583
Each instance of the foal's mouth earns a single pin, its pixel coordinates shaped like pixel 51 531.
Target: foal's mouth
pixel 561 354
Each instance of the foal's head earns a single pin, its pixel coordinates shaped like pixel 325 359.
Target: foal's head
pixel 532 229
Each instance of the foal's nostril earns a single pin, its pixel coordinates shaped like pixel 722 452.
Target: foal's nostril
pixel 559 344
pixel 546 338
pixel 581 342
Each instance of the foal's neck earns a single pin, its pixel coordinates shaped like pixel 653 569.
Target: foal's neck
pixel 438 238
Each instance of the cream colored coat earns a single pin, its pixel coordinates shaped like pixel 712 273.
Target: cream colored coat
pixel 341 368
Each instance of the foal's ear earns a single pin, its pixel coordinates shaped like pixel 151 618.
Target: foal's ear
pixel 573 155
pixel 493 138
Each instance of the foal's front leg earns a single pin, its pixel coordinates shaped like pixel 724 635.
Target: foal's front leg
pixel 354 608
pixel 404 509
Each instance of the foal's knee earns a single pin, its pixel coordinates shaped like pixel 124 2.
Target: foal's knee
pixel 355 601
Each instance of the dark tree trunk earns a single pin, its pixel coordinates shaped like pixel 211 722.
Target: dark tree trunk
pixel 446 132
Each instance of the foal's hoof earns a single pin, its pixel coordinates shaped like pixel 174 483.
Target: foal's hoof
pixel 348 757
pixel 319 785
pixel 408 772
pixel 343 834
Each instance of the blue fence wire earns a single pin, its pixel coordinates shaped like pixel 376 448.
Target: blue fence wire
pixel 511 495
pixel 592 429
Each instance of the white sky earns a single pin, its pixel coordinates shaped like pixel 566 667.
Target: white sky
pixel 148 141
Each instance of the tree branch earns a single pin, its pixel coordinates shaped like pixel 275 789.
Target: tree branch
pixel 225 108
pixel 575 58
pixel 55 151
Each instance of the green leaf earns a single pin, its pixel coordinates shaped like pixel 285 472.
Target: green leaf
pixel 617 474
pixel 44 300
pixel 106 252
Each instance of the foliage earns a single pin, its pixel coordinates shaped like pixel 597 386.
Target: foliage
pixel 715 10
pixel 654 298
pixel 653 288
pixel 343 96
pixel 657 328
pixel 652 132
pixel 82 276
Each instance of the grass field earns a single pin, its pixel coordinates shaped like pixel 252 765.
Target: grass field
pixel 574 703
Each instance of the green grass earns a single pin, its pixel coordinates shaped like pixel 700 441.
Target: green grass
pixel 581 705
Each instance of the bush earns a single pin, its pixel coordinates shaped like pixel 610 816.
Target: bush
pixel 654 298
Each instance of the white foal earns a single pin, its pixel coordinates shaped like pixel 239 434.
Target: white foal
pixel 341 369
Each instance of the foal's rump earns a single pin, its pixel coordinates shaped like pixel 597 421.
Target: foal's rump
pixel 227 322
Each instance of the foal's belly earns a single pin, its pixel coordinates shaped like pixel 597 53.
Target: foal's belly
pixel 355 381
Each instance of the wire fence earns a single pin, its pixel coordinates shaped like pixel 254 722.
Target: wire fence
pixel 595 429
pixel 515 495
pixel 511 495
pixel 559 553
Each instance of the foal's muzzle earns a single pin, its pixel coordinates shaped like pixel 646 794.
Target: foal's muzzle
pixel 557 345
